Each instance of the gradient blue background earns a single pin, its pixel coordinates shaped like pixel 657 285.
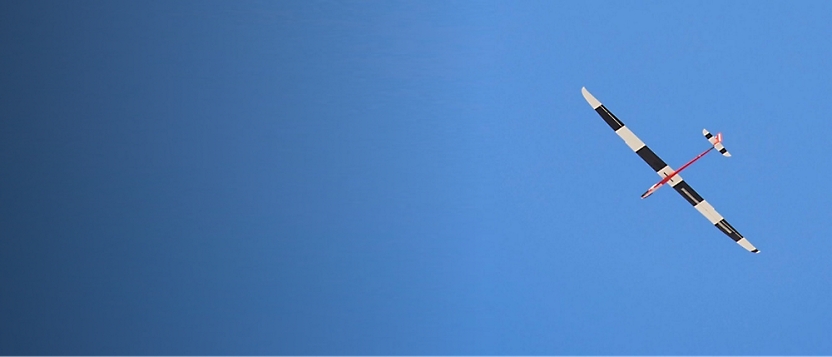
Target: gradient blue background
pixel 200 177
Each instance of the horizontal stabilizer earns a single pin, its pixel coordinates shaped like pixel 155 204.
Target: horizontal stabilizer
pixel 716 141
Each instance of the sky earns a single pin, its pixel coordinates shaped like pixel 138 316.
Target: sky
pixel 411 178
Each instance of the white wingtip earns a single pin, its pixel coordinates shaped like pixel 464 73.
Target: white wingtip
pixel 594 103
pixel 747 245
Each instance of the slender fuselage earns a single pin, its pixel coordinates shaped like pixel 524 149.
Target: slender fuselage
pixel 676 172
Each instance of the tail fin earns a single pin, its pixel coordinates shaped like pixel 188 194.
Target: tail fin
pixel 716 141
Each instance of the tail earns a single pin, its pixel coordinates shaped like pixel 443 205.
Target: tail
pixel 716 141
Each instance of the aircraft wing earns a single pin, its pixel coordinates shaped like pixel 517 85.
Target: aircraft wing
pixel 661 168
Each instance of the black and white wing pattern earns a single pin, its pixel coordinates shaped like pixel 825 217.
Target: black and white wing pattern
pixel 664 170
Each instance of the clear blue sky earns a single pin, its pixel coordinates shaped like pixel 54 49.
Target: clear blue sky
pixel 379 177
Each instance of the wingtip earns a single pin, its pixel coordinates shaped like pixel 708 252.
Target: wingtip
pixel 594 103
pixel 748 246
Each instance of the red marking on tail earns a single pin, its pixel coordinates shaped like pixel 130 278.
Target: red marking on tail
pixel 718 138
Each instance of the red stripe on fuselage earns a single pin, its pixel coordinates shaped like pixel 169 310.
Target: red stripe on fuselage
pixel 669 177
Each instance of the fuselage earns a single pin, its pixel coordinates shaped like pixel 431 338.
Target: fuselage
pixel 674 173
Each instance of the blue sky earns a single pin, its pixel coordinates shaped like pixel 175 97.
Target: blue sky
pixel 202 177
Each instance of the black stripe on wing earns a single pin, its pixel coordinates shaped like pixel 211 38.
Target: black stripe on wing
pixel 729 230
pixel 610 118
pixel 688 193
pixel 651 158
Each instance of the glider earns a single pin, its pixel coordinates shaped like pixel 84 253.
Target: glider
pixel 670 176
